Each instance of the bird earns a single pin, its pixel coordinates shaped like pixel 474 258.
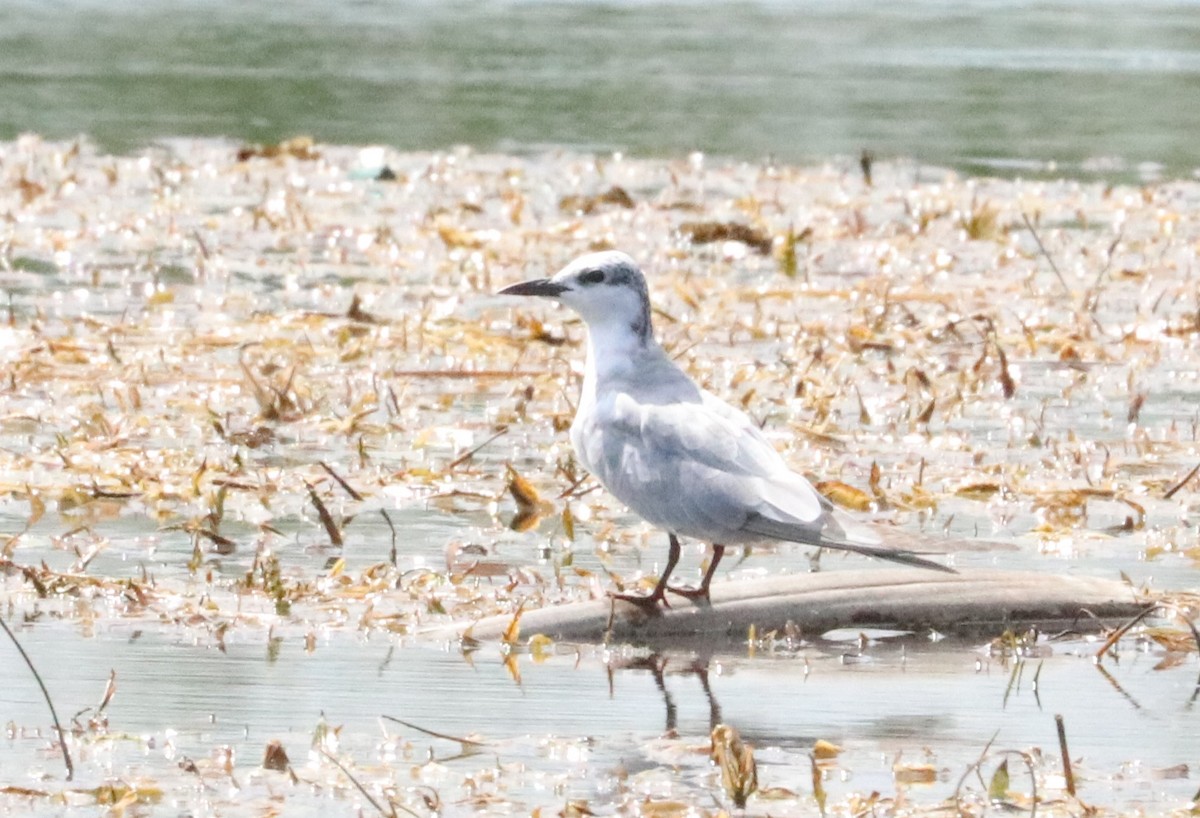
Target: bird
pixel 676 455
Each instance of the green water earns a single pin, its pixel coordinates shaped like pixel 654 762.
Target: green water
pixel 1076 87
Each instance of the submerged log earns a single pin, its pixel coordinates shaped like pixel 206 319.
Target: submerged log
pixel 970 603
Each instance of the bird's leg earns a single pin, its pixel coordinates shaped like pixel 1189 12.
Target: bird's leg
pixel 702 591
pixel 659 594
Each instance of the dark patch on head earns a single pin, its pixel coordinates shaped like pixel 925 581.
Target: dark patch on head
pixel 624 274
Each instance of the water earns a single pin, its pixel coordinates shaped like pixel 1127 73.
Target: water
pixel 571 722
pixel 1031 88
pixel 111 294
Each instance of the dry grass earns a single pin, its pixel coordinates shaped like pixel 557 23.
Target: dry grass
pixel 231 364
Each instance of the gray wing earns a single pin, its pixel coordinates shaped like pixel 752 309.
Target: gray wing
pixel 705 470
pixel 700 469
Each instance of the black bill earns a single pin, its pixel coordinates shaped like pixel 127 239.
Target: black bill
pixel 538 286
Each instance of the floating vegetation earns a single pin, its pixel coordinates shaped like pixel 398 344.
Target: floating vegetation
pixel 735 760
pixel 259 407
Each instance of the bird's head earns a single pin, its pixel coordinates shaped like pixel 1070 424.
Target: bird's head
pixel 607 290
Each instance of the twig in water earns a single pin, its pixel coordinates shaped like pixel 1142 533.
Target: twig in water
pixel 570 491
pixel 1124 629
pixel 1066 756
pixel 865 160
pixel 387 518
pixel 1171 492
pixel 1025 758
pixel 349 489
pixel 1116 635
pixel 1115 685
pixel 1033 231
pixel 463 458
pixel 200 244
pixel 62 737
pixel 331 528
pixel 982 757
pixel 466 742
pixel 1092 301
pixel 464 374
pixel 389 813
pixel 1014 680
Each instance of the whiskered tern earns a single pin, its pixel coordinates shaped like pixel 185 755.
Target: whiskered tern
pixel 677 456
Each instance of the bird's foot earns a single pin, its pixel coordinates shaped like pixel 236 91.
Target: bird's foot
pixel 690 593
pixel 648 602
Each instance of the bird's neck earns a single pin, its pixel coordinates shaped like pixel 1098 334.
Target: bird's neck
pixel 615 351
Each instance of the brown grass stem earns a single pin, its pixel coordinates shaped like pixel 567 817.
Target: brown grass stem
pixel 1124 629
pixel 62 737
pixel 465 374
pixel 346 487
pixel 1068 774
pixel 388 813
pixel 463 458
pixel 976 766
pixel 466 742
pixel 1033 231
pixel 1171 492
pixel 387 518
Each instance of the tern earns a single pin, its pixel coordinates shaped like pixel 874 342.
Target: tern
pixel 679 457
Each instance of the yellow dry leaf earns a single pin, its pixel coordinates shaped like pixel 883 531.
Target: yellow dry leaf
pixel 540 646
pixel 1173 639
pixel 917 499
pixel 29 190
pixel 860 333
pixel 69 354
pixel 739 773
pixel 823 750
pixel 845 495
pixel 36 508
pixel 709 232
pixel 775 794
pixel 978 491
pixel 982 223
pixel 513 632
pixel 915 773
pixel 526 520
pixel 513 667
pixel 568 522
pixel 527 497
pixel 687 295
pixel 456 237
pixel 665 809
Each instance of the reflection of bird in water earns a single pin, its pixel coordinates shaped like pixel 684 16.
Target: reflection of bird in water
pixel 656 663
pixel 679 457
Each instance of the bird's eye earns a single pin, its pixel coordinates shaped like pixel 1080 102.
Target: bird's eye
pixel 592 277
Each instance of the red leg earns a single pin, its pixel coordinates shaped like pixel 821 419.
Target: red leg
pixel 659 594
pixel 702 591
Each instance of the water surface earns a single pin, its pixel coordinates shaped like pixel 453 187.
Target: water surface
pixel 1009 88
pixel 575 724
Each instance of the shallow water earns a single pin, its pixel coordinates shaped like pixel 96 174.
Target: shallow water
pixel 1016 88
pixel 164 278
pixel 574 725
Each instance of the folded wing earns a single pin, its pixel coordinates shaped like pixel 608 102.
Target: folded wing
pixel 705 470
